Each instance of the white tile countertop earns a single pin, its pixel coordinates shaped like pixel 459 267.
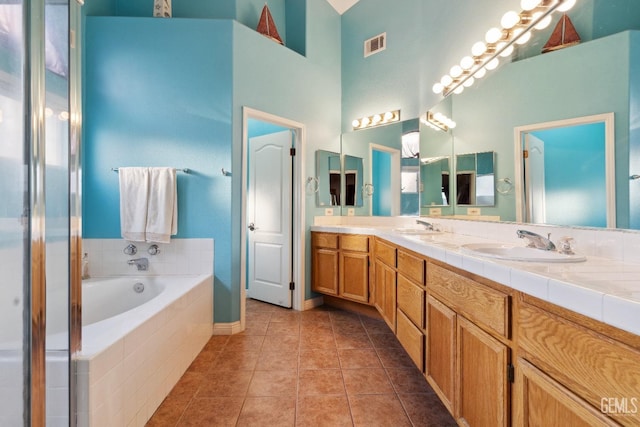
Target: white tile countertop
pixel 605 289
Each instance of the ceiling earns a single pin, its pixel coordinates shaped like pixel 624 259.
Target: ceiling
pixel 342 5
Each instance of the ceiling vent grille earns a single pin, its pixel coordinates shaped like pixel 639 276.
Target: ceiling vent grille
pixel 375 44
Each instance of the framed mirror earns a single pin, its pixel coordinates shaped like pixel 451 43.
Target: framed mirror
pixel 475 179
pixel 353 175
pixel 329 175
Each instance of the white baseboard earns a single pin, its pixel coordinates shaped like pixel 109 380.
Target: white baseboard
pixel 313 303
pixel 227 328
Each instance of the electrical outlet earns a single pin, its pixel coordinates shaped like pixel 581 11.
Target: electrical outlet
pixel 473 211
pixel 351 212
pixel 328 212
pixel 435 211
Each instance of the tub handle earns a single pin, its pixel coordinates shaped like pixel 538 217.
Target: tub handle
pixel 130 249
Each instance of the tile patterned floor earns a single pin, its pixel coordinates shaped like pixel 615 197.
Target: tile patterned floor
pixel 323 367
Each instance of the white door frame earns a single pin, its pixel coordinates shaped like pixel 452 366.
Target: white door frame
pixel 395 176
pixel 610 165
pixel 298 249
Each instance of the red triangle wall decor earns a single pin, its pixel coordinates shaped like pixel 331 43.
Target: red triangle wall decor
pixel 267 27
pixel 563 35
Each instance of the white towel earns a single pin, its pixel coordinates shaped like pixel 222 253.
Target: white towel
pixel 134 194
pixel 162 209
pixel 148 204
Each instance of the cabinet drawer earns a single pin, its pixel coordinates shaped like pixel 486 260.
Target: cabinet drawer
pixel 411 266
pixel 589 364
pixel 411 339
pixel 411 300
pixel 474 300
pixel 354 243
pixel 386 253
pixel 325 240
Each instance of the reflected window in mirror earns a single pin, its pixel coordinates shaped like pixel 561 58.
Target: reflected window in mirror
pixel 328 172
pixel 353 180
pixel 475 179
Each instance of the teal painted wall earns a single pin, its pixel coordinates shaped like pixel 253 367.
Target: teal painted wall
pixel 381 163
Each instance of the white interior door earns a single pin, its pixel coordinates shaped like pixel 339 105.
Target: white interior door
pixel 269 218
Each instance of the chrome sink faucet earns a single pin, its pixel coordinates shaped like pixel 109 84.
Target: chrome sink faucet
pixel 141 263
pixel 427 225
pixel 537 241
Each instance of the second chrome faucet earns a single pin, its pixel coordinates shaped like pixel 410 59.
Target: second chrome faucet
pixel 537 241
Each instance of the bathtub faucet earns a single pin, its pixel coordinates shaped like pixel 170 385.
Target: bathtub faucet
pixel 141 263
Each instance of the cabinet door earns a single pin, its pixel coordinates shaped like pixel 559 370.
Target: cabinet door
pixel 325 271
pixel 483 388
pixel 541 401
pixel 441 350
pixel 354 276
pixel 385 293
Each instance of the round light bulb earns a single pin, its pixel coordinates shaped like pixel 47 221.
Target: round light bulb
pixel 493 64
pixel 542 24
pixel 524 38
pixel 480 73
pixel 467 62
pixel 458 90
pixel 388 116
pixel 365 122
pixel 452 124
pixel 493 35
pixel 456 71
pixel 438 88
pixel 469 82
pixel 478 49
pixel 529 4
pixel 355 123
pixel 568 4
pixel 446 80
pixel 64 116
pixel 510 20
pixel 507 52
pixel 48 112
pixel 377 119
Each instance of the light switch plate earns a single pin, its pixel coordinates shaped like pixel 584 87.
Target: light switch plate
pixel 473 211
pixel 435 211
pixel 328 212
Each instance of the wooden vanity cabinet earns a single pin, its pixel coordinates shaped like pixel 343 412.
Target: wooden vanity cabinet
pixel 410 296
pixel 467 358
pixel 384 294
pixel 325 263
pixel 574 368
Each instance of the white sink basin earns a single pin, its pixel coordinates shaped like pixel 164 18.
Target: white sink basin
pixel 415 231
pixel 518 253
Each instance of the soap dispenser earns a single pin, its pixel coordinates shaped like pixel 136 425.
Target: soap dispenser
pixel 85 266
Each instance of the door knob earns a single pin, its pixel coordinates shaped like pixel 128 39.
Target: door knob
pixel 251 226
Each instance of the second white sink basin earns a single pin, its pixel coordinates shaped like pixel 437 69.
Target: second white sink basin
pixel 518 253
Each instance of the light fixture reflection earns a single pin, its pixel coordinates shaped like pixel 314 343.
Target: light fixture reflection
pixel 376 120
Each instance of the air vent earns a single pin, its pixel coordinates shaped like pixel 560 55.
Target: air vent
pixel 375 44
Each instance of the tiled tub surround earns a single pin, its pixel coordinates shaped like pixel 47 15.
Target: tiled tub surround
pixel 605 287
pixel 130 362
pixel 182 256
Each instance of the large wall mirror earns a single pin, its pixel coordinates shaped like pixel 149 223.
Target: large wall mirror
pixel 598 76
pixel 475 179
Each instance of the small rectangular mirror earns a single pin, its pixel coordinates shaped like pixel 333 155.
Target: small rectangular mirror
pixel 328 173
pixel 353 180
pixel 475 179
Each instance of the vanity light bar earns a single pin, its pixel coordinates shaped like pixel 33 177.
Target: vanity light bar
pixel 515 28
pixel 376 120
pixel 437 121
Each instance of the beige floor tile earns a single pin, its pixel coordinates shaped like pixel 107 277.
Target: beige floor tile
pixel 367 381
pixel 323 411
pixel 320 382
pixel 378 410
pixel 268 412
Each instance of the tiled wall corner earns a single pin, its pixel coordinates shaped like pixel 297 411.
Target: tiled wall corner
pixel 180 257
